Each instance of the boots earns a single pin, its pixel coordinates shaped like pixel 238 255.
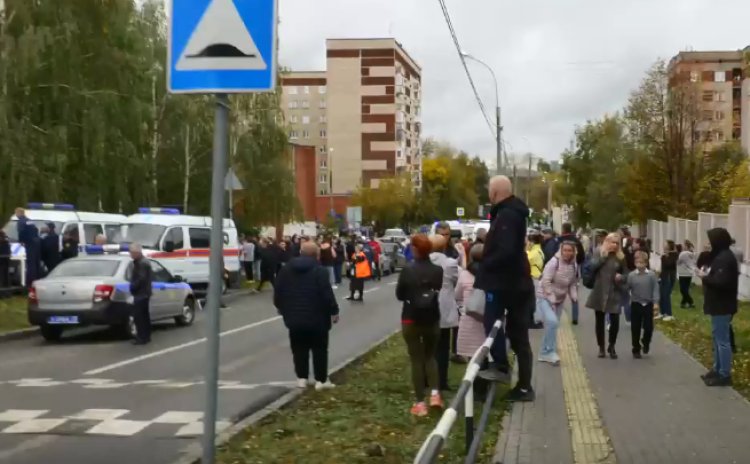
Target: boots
pixel 611 351
pixel 602 354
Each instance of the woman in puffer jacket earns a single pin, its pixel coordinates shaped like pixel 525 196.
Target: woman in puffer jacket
pixel 557 283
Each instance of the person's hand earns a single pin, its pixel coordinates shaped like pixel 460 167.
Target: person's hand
pixel 618 277
pixel 335 319
pixel 656 306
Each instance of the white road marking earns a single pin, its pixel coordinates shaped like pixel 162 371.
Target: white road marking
pixel 196 428
pixel 178 417
pixel 372 289
pixel 393 283
pixel 171 349
pixel 176 384
pixel 45 382
pixel 104 386
pixel 99 414
pixel 118 427
pixel 34 426
pixel 92 381
pixel 149 382
pixel 18 415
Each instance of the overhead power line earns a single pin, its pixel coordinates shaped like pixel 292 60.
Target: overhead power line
pixel 466 68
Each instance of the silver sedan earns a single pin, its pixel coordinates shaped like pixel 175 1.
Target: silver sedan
pixel 95 290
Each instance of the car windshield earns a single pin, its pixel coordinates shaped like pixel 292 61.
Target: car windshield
pixel 86 268
pixel 394 233
pixel 148 235
pixel 11 228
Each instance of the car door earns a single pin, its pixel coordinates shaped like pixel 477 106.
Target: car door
pixel 200 243
pixel 160 298
pixel 174 242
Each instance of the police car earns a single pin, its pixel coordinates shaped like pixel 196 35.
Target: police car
pixel 95 290
pixel 182 243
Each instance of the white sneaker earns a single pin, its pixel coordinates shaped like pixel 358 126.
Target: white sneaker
pixel 301 383
pixel 551 358
pixel 667 318
pixel 335 287
pixel 324 386
pixel 658 316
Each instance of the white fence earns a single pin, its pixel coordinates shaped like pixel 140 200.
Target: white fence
pixel 737 222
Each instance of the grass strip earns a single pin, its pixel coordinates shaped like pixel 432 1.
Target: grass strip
pixel 365 419
pixel 691 329
pixel 13 314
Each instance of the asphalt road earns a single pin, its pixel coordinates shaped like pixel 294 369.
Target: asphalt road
pixel 93 398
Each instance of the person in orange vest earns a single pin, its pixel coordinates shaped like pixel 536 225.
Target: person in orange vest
pixel 361 272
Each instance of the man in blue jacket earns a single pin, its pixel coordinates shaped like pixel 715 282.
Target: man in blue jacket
pixel 505 277
pixel 304 297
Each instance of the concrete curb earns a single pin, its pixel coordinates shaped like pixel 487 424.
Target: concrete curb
pixel 192 453
pixel 19 334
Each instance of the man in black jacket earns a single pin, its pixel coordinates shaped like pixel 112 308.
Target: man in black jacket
pixel 505 277
pixel 305 299
pixel 720 287
pixel 140 288
pixel 50 247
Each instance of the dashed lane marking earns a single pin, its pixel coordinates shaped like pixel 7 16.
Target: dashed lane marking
pixel 110 384
pixel 591 444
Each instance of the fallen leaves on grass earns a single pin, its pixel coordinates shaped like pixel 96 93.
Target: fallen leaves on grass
pixel 13 314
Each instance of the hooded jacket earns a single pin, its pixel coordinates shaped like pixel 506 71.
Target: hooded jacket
pixel 303 295
pixel 559 280
pixel 505 266
pixel 447 297
pixel 721 284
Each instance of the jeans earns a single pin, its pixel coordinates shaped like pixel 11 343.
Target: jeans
pixel 614 327
pixel 142 319
pixel 551 318
pixel 337 273
pixel 722 344
pixel 302 343
pixel 665 295
pixel 643 318
pixel 518 305
pixel 422 342
pixel 442 356
pixel 685 282
pixel 331 275
pixel 625 305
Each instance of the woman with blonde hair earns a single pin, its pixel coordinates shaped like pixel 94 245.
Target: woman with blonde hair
pixel 608 265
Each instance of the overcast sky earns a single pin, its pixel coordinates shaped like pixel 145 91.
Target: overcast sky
pixel 559 62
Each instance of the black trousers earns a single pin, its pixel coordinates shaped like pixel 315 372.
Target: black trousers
pixel 142 319
pixel 266 277
pixel 442 355
pixel 357 285
pixel 454 340
pixel 4 272
pixel 614 327
pixel 685 291
pixel 515 308
pixel 303 342
pixel 248 265
pixel 641 318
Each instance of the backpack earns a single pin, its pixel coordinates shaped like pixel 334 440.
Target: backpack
pixel 588 274
pixel 424 300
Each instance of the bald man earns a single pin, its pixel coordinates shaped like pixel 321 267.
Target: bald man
pixel 505 277
pixel 305 299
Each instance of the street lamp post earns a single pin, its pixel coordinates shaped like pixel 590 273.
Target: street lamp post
pixel 498 125
pixel 330 180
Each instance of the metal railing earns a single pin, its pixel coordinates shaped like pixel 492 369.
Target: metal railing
pixel 463 401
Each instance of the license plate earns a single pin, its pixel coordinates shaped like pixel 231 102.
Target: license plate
pixel 62 320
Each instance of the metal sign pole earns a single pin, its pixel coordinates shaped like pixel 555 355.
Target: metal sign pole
pixel 216 274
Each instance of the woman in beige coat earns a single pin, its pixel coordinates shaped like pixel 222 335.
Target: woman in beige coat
pixel 608 264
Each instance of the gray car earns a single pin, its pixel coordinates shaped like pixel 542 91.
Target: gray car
pixel 396 259
pixel 95 290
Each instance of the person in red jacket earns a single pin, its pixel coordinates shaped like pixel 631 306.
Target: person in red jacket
pixel 376 252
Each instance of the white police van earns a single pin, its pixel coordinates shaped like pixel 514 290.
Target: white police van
pixel 182 243
pixel 84 226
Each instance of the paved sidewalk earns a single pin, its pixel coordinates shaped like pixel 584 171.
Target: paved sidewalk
pixel 652 410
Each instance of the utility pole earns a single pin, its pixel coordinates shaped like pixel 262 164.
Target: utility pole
pixel 528 181
pixel 499 137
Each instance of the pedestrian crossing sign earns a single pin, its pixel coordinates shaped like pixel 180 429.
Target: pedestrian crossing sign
pixel 222 46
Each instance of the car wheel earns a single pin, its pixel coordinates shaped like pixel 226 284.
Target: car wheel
pixel 188 313
pixel 51 333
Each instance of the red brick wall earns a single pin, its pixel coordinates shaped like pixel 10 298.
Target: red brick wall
pixel 323 206
pixel 304 174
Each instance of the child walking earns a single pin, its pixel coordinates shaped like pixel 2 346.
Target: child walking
pixel 643 286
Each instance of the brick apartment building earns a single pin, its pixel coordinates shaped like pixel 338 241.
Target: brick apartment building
pixel 361 115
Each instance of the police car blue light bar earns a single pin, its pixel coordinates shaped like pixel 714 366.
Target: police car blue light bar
pixel 158 210
pixel 102 249
pixel 53 206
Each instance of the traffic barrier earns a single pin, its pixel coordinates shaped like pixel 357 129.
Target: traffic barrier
pixel 463 401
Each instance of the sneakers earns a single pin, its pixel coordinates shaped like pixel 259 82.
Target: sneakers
pixel 419 409
pixel 301 383
pixel 319 386
pixel 667 318
pixel 335 287
pixel 637 355
pixel 718 381
pixel 495 375
pixel 551 358
pixel 657 317
pixel 602 354
pixel 612 352
pixel 436 401
pixel 709 375
pixel 518 394
pixel 646 347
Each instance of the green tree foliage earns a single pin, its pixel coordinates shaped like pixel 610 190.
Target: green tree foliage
pixel 392 204
pixel 85 117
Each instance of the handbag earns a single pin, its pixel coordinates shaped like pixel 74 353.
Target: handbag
pixel 476 303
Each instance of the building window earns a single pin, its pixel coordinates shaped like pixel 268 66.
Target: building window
pixel 323 104
pixel 323 164
pixel 293 134
pixel 719 96
pixel 695 76
pixel 305 134
pixel 708 95
pixel 323 119
pixel 305 104
pixel 322 89
pixel 305 119
pixel 719 116
pixel 306 89
pixel 292 90
pixel 293 104
pixel 719 136
pixel 322 150
pixel 323 133
pixel 708 115
pixel 322 178
pixel 720 76
pixel 293 119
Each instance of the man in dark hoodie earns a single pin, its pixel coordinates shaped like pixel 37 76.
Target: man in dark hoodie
pixel 720 286
pixel 51 248
pixel 305 299
pixel 505 277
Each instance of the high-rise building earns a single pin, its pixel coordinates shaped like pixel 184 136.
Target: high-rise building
pixel 723 92
pixel 362 114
